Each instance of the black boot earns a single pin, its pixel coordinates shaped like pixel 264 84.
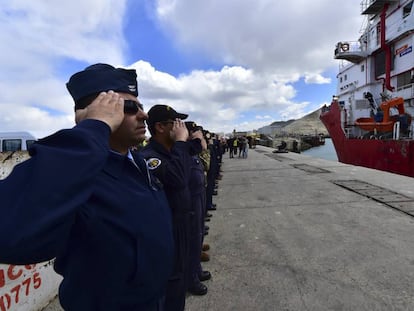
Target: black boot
pixel 198 289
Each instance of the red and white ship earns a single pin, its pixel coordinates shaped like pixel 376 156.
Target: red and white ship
pixel 369 119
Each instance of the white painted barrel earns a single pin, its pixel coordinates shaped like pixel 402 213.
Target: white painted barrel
pixel 29 287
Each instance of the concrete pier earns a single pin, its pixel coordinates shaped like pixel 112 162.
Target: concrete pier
pixel 292 232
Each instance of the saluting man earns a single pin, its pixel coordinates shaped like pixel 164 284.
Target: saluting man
pixel 168 156
pixel 198 203
pixel 85 199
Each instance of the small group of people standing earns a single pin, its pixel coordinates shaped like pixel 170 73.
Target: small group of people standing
pixel 238 146
pixel 126 227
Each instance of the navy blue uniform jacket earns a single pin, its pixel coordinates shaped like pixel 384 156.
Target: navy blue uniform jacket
pixel 97 212
pixel 173 170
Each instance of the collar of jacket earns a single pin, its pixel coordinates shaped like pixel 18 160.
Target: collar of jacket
pixel 115 164
pixel 158 147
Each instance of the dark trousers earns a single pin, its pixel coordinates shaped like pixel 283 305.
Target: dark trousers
pixel 197 237
pixel 153 306
pixel 177 284
pixel 209 192
pixel 175 294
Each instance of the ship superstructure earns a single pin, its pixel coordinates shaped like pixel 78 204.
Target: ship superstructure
pixel 371 113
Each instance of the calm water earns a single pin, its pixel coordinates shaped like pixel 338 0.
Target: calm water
pixel 326 151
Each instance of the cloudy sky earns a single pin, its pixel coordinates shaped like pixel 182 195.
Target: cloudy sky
pixel 229 64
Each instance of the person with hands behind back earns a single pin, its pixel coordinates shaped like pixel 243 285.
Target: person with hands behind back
pixel 85 199
pixel 168 155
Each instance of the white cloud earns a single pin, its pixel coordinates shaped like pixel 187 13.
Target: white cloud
pixel 37 121
pixel 275 44
pixel 216 99
pixel 285 37
pixel 264 46
pixel 316 78
pixel 37 37
pixel 294 111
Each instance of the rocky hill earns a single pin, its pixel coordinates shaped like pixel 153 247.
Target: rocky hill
pixel 307 125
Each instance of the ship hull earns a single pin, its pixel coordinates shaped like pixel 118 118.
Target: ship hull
pixel 395 156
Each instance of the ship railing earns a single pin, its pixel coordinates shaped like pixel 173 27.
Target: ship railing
pixel 373 6
pixel 365 4
pixel 351 51
pixel 396 131
pixel 412 131
pixel 348 47
pixel 348 132
pixel 352 131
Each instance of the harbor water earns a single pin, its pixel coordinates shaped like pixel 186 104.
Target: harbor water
pixel 326 151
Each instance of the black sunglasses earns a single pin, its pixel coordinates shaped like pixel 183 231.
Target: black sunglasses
pixel 132 106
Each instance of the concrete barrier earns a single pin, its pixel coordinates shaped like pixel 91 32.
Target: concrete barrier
pixel 29 287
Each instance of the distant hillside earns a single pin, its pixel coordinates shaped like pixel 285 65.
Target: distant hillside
pixel 282 123
pixel 309 124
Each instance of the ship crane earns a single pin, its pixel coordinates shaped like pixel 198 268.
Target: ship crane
pixel 374 107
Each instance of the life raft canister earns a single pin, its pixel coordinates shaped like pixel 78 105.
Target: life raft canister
pixel 345 47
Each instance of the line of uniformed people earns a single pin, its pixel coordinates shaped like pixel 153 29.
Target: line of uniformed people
pixel 188 167
pixel 126 228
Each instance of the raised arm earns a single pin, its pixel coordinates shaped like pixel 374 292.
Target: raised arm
pixel 41 196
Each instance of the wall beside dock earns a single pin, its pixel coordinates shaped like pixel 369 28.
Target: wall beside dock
pixel 28 287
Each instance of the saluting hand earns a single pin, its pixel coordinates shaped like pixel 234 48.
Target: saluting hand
pixel 108 107
pixel 199 134
pixel 179 131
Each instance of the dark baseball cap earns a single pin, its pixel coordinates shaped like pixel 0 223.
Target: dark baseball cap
pixel 160 113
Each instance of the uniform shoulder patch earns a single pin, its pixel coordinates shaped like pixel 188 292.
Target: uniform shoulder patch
pixel 153 163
